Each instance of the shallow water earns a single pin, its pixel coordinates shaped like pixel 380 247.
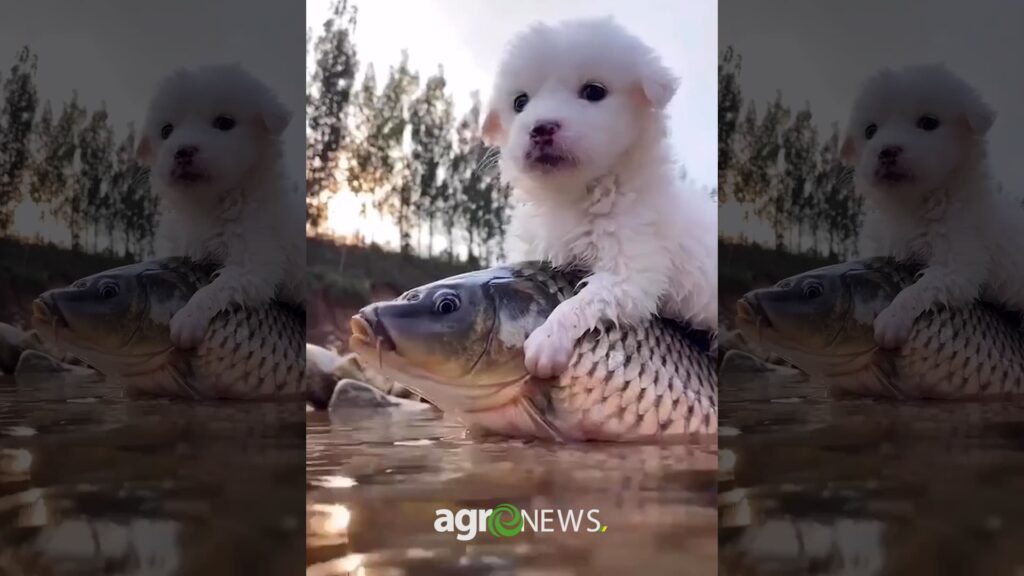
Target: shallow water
pixel 376 479
pixel 811 485
pixel 91 483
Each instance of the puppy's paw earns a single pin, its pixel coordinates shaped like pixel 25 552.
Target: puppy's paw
pixel 548 350
pixel 892 327
pixel 188 326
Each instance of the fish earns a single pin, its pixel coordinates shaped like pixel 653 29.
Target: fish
pixel 821 321
pixel 118 322
pixel 458 343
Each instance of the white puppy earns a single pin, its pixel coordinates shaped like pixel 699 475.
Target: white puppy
pixel 917 141
pixel 578 113
pixel 212 142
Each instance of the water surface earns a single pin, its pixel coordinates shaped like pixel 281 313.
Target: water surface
pixel 92 483
pixel 812 485
pixel 376 479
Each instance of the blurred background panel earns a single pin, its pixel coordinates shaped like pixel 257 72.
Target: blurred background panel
pixel 811 483
pixel 91 483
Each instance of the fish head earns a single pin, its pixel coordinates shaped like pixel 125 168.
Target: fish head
pixel 458 342
pixel 821 318
pixel 117 318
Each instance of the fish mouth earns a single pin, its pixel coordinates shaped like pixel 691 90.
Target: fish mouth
pixel 46 314
pixel 750 312
pixel 369 332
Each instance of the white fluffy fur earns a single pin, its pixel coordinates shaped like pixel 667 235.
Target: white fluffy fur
pixel 614 203
pixel 232 201
pixel 937 201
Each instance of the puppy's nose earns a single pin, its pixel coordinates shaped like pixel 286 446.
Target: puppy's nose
pixel 545 129
pixel 185 153
pixel 890 153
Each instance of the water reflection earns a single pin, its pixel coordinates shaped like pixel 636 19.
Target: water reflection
pixel 376 479
pixel 866 487
pixel 107 486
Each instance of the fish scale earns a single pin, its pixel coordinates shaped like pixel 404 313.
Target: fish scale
pixel 956 352
pixel 663 384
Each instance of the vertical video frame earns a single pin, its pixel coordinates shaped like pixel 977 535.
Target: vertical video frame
pixel 152 259
pixel 512 287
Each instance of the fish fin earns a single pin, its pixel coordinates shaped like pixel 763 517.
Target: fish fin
pixel 180 374
pixel 538 419
pixel 883 368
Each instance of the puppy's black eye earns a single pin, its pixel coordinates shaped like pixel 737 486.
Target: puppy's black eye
pixel 108 290
pixel 869 132
pixel 165 131
pixel 927 123
pixel 223 123
pixel 813 290
pixel 520 102
pixel 593 92
pixel 446 302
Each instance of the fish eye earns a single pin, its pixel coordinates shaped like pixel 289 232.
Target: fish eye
pixel 869 132
pixel 593 92
pixel 813 290
pixel 927 122
pixel 447 302
pixel 223 122
pixel 520 102
pixel 166 130
pixel 108 289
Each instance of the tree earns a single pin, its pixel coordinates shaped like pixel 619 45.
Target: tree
pixel 430 121
pixel 730 103
pixel 840 207
pixel 799 151
pixel 465 177
pixel 16 120
pixel 53 173
pixel 327 104
pixel 380 165
pixel 131 198
pixel 757 174
pixel 95 150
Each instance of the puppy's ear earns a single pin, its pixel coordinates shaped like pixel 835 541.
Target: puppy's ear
pixel 493 131
pixel 980 117
pixel 275 116
pixel 658 85
pixel 848 151
pixel 144 151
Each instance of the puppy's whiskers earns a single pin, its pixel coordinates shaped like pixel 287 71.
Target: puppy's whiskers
pixel 141 177
pixel 489 160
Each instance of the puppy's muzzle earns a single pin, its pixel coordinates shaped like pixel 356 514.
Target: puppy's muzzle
pixel 185 154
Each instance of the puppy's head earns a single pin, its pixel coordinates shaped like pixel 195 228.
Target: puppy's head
pixel 571 99
pixel 207 128
pixel 912 129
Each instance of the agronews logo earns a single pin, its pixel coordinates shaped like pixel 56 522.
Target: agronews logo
pixel 511 526
pixel 506 520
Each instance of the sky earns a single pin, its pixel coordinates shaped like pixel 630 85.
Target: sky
pixel 116 52
pixel 820 52
pixel 468 38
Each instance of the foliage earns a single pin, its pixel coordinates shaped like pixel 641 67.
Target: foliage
pixel 71 167
pixel 327 100
pixel 776 164
pixel 404 148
